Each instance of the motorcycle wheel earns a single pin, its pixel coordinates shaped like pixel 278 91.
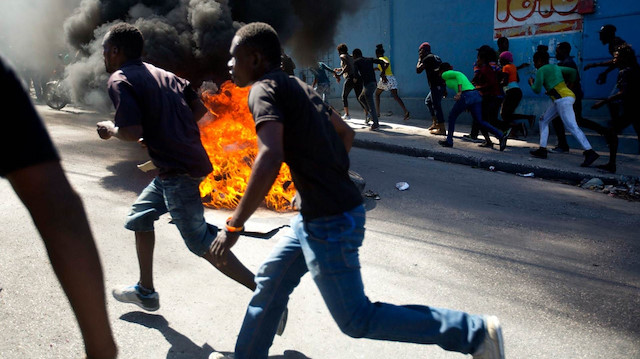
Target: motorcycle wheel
pixel 54 99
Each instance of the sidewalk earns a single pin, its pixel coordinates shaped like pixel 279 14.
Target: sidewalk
pixel 412 138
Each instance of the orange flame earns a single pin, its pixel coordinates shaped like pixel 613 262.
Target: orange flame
pixel 231 142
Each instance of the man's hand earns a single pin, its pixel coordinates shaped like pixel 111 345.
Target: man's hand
pixel 222 246
pixel 602 78
pixel 457 96
pixel 589 66
pixel 384 78
pixel 105 129
pixel 531 81
pixel 599 104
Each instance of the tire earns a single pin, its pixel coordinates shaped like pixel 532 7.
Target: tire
pixel 54 96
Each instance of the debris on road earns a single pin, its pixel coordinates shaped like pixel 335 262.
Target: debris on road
pixel 402 186
pixel 530 174
pixel 594 183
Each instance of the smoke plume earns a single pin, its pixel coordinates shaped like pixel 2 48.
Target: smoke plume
pixel 188 37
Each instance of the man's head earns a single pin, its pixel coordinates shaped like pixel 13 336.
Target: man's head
pixel 123 42
pixel 379 50
pixel 607 33
pixel 563 50
pixel 357 53
pixel 444 67
pixel 255 50
pixel 503 44
pixel 342 48
pixel 541 57
pixel 424 49
pixel 625 56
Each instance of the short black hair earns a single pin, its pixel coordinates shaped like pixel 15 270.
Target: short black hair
pixel 564 46
pixel 263 38
pixel 357 53
pixel 379 50
pixel 342 48
pixel 445 66
pixel 128 38
pixel 542 54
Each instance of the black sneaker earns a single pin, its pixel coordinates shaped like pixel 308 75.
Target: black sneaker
pixel 503 140
pixel 374 127
pixel 539 153
pixel 445 143
pixel 559 149
pixel 611 168
pixel 589 157
pixel 486 144
pixel 470 139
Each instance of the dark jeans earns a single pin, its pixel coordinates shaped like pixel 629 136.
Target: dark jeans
pixel 490 111
pixel 366 97
pixel 621 118
pixel 434 102
pixel 472 101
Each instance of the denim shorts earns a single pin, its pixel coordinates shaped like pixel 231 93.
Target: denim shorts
pixel 179 195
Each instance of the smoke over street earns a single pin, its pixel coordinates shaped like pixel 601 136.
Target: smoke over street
pixel 188 37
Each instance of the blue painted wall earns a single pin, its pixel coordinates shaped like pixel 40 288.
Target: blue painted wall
pixel 456 28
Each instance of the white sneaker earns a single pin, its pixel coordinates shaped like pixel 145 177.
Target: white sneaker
pixel 217 355
pixel 132 294
pixel 346 117
pixel 492 347
pixel 283 322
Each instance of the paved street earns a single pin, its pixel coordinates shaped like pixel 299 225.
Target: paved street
pixel 558 264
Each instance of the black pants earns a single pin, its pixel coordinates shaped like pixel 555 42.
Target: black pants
pixel 349 85
pixel 511 101
pixel 621 118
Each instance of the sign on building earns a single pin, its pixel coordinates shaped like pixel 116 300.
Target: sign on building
pixel 518 18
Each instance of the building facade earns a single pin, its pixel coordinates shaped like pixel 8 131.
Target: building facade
pixel 456 28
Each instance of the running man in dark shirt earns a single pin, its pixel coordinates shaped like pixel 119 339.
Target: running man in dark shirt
pixel 364 67
pixel 607 37
pixel 625 101
pixel 32 166
pixel 162 109
pixel 430 64
pixel 295 126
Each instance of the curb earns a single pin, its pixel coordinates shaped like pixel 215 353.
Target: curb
pixel 481 162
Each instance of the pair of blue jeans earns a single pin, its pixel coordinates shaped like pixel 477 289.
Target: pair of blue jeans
pixel 472 101
pixel 328 248
pixel 434 102
pixel 180 196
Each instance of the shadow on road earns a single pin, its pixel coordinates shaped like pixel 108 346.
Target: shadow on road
pixel 126 176
pixel 183 347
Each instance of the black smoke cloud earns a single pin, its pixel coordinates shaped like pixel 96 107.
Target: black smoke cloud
pixel 192 37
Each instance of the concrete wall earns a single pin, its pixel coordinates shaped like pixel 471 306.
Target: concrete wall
pixel 456 28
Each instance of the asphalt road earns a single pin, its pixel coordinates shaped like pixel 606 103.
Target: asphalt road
pixel 558 264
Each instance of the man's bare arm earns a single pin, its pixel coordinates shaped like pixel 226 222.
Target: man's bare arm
pixel 345 132
pixel 58 213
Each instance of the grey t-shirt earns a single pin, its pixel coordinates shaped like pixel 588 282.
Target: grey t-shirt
pixel 158 100
pixel 313 150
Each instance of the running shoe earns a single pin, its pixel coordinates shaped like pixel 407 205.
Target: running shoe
pixel 492 347
pixel 132 294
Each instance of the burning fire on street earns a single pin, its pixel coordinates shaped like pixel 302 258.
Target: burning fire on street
pixel 231 142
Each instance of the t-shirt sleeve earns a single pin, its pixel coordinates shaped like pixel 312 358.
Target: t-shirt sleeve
pixel 128 111
pixel 263 104
pixel 25 140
